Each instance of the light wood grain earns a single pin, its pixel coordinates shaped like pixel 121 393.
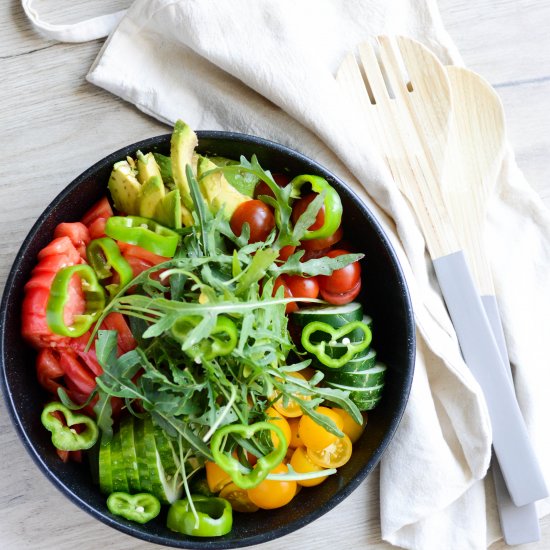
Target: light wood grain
pixel 53 124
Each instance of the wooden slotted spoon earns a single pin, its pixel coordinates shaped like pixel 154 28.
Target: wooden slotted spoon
pixel 411 132
pixel 473 158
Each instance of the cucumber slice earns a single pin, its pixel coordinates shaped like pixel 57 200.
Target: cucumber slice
pixel 129 453
pixel 361 362
pixel 335 316
pixel 141 456
pixel 367 378
pixel 365 398
pixel 104 460
pixel 118 469
pixel 167 452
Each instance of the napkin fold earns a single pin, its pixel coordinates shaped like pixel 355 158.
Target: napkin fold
pixel 267 67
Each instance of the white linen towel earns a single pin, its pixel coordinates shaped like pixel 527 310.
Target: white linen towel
pixel 266 67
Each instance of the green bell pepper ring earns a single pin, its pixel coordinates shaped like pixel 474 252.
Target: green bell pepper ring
pixel 332 202
pixel 214 517
pixel 104 255
pixel 221 341
pixel 64 437
pixel 233 467
pixel 60 295
pixel 319 348
pixel 143 232
pixel 140 508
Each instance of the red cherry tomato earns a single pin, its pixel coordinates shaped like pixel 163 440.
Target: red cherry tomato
pixel 262 188
pixel 258 216
pixel 300 207
pixel 341 298
pixel 101 209
pixel 321 244
pixel 286 252
pixel 342 280
pixel 280 282
pixel 302 287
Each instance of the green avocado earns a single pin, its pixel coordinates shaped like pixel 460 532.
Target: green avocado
pixel 182 148
pixel 152 193
pixel 125 188
pixel 217 191
pixel 147 167
pixel 169 210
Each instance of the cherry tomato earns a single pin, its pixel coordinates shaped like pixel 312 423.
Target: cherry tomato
pixel 295 440
pixel 271 494
pixel 334 455
pixel 238 498
pixel 216 478
pixel 101 209
pixel 301 462
pixel 326 242
pixel 286 252
pixel 300 207
pixel 351 428
pixel 342 297
pixel 292 408
pixel 280 421
pixel 280 282
pixel 262 188
pixel 341 280
pixel 314 435
pixel 78 234
pixel 302 287
pixel 259 218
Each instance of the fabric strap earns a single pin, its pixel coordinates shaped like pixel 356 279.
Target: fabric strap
pixel 82 31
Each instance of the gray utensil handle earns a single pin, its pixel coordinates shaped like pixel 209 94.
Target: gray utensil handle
pixel 511 443
pixel 519 524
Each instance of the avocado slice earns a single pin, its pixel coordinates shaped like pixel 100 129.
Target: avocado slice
pixel 169 210
pixel 217 191
pixel 182 147
pixel 152 193
pixel 147 167
pixel 125 188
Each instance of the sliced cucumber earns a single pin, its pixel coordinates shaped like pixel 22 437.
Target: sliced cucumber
pixel 365 398
pixel 367 378
pixel 129 453
pixel 167 452
pixel 335 316
pixel 141 455
pixel 104 460
pixel 364 361
pixel 118 469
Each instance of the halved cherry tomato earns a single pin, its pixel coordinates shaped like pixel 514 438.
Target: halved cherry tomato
pixel 301 462
pixel 314 435
pixel 280 282
pixel 259 218
pixel 300 207
pixel 341 280
pixel 342 297
pixel 292 408
pixel 77 232
pixel 101 209
pixel 238 498
pixel 326 242
pixel 334 455
pixel 302 287
pixel 271 494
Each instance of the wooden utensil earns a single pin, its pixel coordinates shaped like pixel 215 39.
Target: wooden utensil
pixel 411 130
pixel 473 158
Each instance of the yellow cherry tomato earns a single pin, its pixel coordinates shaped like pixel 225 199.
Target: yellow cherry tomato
pixel 351 428
pixel 334 455
pixel 295 440
pixel 280 421
pixel 292 408
pixel 238 498
pixel 314 435
pixel 301 462
pixel 216 478
pixel 271 494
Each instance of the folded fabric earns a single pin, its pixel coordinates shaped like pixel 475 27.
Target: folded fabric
pixel 267 67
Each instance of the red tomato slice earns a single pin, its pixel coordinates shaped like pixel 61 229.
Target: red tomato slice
pixel 48 370
pixel 97 228
pixel 75 371
pixel 343 297
pixel 62 246
pixel 138 252
pixel 77 232
pixel 52 264
pixel 126 340
pixel 101 209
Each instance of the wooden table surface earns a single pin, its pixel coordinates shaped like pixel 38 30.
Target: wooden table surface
pixel 53 124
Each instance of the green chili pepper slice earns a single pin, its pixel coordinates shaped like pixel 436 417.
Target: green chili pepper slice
pixel 104 255
pixel 214 517
pixel 332 202
pixel 64 436
pixel 141 508
pixel 59 297
pixel 337 335
pixel 233 467
pixel 143 232
pixel 221 341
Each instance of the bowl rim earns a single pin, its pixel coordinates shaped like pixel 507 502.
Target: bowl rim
pixel 208 543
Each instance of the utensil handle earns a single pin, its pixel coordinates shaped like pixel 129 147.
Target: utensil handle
pixel 519 524
pixel 511 443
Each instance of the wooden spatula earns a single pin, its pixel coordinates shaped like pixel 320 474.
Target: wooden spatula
pixel 473 158
pixel 411 131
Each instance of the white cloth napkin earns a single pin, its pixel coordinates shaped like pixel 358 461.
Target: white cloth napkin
pixel 267 67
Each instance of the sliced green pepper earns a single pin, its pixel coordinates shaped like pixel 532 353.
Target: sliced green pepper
pixel 214 517
pixel 104 256
pixel 233 467
pixel 143 232
pixel 141 508
pixel 60 296
pixel 337 335
pixel 332 203
pixel 64 436
pixel 222 339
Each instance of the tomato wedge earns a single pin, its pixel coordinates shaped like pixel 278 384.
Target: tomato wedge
pixel 101 209
pixel 78 234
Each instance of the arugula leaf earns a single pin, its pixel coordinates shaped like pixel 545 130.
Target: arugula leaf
pixel 316 266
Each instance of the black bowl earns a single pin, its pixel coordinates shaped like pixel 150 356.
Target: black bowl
pixel 385 298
